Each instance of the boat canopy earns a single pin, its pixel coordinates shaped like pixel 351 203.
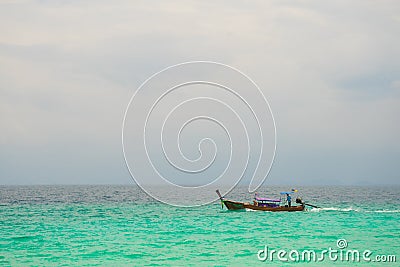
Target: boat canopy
pixel 267 199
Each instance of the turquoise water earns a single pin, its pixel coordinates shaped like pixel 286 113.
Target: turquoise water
pixel 120 225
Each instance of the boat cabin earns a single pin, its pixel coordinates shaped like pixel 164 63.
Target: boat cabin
pixel 266 202
pixel 281 202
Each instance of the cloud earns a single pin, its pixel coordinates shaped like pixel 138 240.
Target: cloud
pixel 329 69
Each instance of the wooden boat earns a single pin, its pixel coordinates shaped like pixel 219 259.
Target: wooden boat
pixel 263 204
pixel 233 205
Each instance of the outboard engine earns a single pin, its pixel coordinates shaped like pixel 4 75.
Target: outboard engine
pixel 299 201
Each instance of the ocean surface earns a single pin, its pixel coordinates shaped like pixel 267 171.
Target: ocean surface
pixel 122 226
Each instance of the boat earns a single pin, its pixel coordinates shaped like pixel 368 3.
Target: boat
pixel 265 204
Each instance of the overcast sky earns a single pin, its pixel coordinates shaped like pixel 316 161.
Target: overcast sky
pixel 329 69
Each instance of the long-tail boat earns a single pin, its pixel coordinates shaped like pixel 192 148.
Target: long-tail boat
pixel 266 204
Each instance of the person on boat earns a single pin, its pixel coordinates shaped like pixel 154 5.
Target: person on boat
pixel 289 200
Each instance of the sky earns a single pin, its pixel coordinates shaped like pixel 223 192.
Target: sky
pixel 330 71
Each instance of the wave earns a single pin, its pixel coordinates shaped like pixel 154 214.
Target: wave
pixel 333 209
pixel 250 210
pixel 352 209
pixel 384 211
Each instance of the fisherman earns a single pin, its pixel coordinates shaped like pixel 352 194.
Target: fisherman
pixel 289 200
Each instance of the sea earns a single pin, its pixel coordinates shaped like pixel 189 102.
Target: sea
pixel 120 225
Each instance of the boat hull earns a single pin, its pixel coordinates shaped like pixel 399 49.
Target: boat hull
pixel 233 205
